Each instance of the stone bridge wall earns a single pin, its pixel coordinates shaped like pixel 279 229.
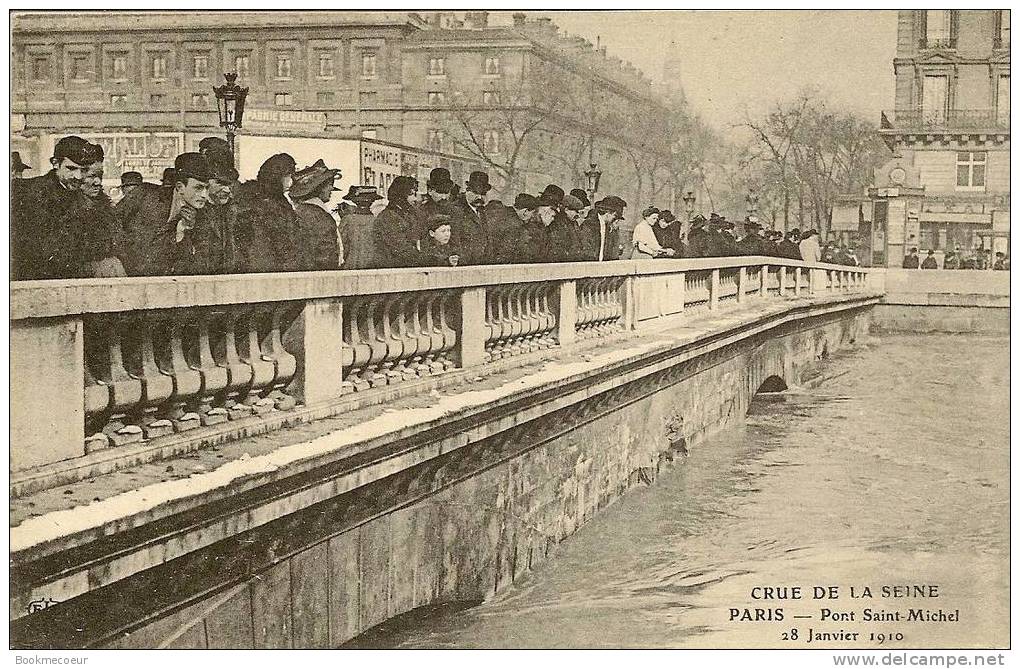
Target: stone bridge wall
pixel 287 461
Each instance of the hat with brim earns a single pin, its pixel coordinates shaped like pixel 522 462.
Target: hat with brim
pixel 440 181
pixel 16 164
pixel 612 203
pixel 478 182
pixel 648 211
pixel 362 196
pixel 312 178
pixel 131 179
pixel 192 166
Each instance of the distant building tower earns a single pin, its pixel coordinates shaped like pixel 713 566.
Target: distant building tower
pixel 671 75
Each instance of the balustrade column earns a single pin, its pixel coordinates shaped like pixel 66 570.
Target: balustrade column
pixel 713 290
pixel 566 312
pixel 763 276
pixel 741 283
pixel 316 340
pixel 472 329
pixel 628 298
pixel 796 281
pixel 47 387
pixel 782 280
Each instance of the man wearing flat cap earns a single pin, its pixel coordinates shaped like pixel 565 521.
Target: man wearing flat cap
pixel 165 225
pixel 50 235
pixel 320 246
pixel 470 229
pixel 512 230
pixel 602 230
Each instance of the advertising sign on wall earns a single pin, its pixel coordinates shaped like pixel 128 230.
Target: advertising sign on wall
pixel 147 152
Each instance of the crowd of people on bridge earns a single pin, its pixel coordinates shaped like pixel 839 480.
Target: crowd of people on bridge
pixel 202 220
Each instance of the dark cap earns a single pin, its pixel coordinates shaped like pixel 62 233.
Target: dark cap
pixel 168 176
pixel 73 148
pixel 525 201
pixel 191 166
pixel 581 195
pixel 222 167
pixel 436 221
pixel 211 144
pixel 572 203
pixel 666 215
pixel 131 179
pixel 94 154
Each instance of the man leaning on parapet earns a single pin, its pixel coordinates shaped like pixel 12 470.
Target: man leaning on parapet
pixel 50 235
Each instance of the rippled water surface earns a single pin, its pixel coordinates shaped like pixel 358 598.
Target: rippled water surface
pixel 894 470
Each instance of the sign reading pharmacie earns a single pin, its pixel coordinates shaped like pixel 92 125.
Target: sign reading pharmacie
pixel 283 120
pixel 146 152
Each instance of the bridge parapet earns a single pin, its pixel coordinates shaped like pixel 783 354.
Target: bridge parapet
pixel 107 373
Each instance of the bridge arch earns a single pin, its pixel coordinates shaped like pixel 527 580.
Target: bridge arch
pixel 772 384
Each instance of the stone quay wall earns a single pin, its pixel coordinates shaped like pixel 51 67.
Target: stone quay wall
pixel 950 301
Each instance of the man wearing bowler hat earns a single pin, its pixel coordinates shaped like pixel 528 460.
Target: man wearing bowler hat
pixel 163 223
pixel 320 245
pixel 50 235
pixel 471 234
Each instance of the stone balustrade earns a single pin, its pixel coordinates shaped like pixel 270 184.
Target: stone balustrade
pixel 108 372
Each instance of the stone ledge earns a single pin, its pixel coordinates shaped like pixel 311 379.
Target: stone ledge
pixel 45 299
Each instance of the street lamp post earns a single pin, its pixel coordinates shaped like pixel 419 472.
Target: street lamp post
pixel 593 174
pixel 230 105
pixel 689 200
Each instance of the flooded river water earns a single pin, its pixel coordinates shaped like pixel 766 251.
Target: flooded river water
pixel 892 471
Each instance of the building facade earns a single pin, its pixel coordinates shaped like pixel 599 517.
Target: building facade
pixel 947 186
pixel 398 77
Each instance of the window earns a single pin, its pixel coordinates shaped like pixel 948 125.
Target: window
pixel 492 65
pixel 939 29
pixel 157 100
pixel 370 133
pixel 970 170
pixel 40 69
pixel 368 65
pixel 200 67
pixel 437 98
pixel 118 100
pixel 324 98
pixel 935 100
pixel 79 68
pixel 159 66
pixel 1002 100
pixel 326 70
pixel 283 99
pixel 434 140
pixel 490 98
pixel 283 66
pixel 241 65
pixel 437 67
pixel 200 100
pixel 1002 29
pixel 490 141
pixel 118 66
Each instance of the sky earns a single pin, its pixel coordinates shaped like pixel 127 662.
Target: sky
pixel 732 61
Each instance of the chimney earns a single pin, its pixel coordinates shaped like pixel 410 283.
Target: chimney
pixel 519 19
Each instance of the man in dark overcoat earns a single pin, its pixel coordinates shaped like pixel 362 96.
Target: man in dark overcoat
pixel 50 236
